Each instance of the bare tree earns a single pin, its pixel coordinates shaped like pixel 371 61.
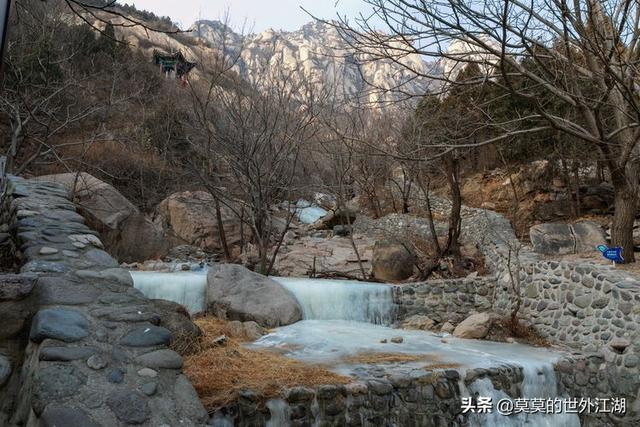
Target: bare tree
pixel 217 72
pixel 250 140
pixel 41 87
pixel 582 56
pixel 101 14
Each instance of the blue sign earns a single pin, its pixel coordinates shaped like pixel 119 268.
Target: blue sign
pixel 612 254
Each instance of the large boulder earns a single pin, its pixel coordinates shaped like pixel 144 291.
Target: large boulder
pixel 306 255
pixel 342 216
pixel 563 238
pixel 189 218
pixel 100 203
pixel 419 322
pixel 236 293
pixel 475 326
pixel 392 261
pixel 403 227
pixel 127 234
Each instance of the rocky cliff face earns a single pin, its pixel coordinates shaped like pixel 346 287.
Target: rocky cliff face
pixel 317 55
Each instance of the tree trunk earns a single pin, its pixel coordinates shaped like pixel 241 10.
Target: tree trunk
pixel 429 216
pixel 576 187
pixel 453 178
pixel 626 204
pixel 221 233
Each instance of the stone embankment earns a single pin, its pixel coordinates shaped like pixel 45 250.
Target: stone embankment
pixel 79 346
pixel 591 308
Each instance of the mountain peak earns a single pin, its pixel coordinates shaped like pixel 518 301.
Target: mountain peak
pixel 316 54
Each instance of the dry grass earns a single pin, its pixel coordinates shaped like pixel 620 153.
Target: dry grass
pixel 380 358
pixel 503 329
pixel 434 362
pixel 220 373
pixel 442 365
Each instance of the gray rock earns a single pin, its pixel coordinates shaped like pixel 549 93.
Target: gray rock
pixel 235 293
pixel 582 301
pixel 148 372
pixel 631 361
pixel 531 291
pixel 129 406
pixel 562 238
pixel 56 382
pixel 47 250
pixel 115 376
pixel 65 354
pixel 5 369
pixel 118 275
pixel 147 336
pixel 96 362
pixel 392 261
pixel 474 326
pixel 601 302
pixel 127 313
pixel 59 291
pixel 15 317
pixel 38 266
pixel 161 359
pixel 60 416
pixel 300 394
pixel 101 258
pixel 187 401
pixel 341 230
pixel 149 388
pixel 175 318
pixel 16 286
pixel 59 324
pixel 253 331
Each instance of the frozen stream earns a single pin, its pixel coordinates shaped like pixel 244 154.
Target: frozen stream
pixel 344 320
pixel 185 287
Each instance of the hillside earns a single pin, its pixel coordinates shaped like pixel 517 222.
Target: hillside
pixel 316 54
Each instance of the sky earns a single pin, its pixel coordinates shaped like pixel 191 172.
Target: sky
pixel 257 14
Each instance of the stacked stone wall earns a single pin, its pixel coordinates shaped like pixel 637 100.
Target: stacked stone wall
pixel 591 308
pixel 424 398
pixel 84 348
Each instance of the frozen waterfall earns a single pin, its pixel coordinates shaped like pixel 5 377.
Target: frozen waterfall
pixel 324 299
pixel 186 288
pixel 539 383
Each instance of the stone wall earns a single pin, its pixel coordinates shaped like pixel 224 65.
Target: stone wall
pixel 445 300
pixel 425 399
pixel 81 346
pixel 592 308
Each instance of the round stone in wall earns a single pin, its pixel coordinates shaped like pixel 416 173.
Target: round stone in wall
pixel 59 324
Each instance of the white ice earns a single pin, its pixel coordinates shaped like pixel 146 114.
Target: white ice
pixel 342 299
pixel 308 213
pixel 186 288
